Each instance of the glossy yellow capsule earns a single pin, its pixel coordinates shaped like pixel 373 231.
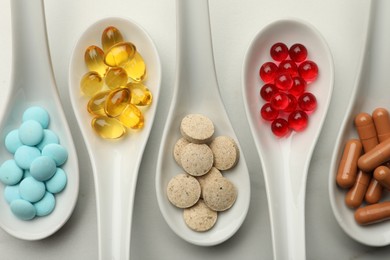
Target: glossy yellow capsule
pixel 140 94
pixel 116 102
pixel 95 105
pixel 116 77
pixel 111 36
pixel 119 54
pixel 91 83
pixel 94 58
pixel 132 117
pixel 108 127
pixel 136 68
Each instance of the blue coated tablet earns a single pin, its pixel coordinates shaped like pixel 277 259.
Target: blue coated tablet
pixel 30 133
pixel 32 190
pixel 58 182
pixel 57 152
pixel 43 168
pixel 12 141
pixel 23 209
pixel 46 205
pixel 38 114
pixel 49 137
pixel 24 156
pixel 11 193
pixel 10 172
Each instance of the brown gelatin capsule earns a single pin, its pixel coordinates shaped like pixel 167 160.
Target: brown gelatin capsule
pixel 373 213
pixel 382 175
pixel 136 68
pixel 355 195
pixel 374 192
pixel 95 105
pixel 107 127
pixel 346 174
pixel 375 157
pixel 366 131
pixel 382 123
pixel 132 117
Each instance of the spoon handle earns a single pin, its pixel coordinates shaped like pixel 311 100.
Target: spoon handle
pixel 195 69
pixel 30 47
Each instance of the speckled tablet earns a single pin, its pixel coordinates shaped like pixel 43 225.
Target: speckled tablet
pixel 183 190
pixel 197 159
pixel 200 217
pixel 178 148
pixel 219 194
pixel 210 176
pixel 197 128
pixel 226 152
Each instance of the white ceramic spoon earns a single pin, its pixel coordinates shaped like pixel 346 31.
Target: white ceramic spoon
pixel 115 163
pixel 32 84
pixel 196 91
pixel 285 161
pixel 371 91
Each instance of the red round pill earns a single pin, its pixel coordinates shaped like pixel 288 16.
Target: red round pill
pixel 308 70
pixel 279 51
pixel 280 127
pixel 298 120
pixel 268 72
pixel 307 102
pixel 298 52
pixel 268 113
pixel 267 91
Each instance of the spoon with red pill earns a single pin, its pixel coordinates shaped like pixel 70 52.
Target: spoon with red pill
pixel 285 150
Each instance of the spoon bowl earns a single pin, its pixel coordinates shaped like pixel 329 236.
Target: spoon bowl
pixel 285 161
pixel 196 91
pixel 33 84
pixel 370 92
pixel 115 163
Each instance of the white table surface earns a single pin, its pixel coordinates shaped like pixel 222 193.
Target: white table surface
pixel 234 23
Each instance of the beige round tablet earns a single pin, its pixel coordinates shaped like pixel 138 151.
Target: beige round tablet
pixel 183 190
pixel 208 177
pixel 219 194
pixel 197 159
pixel 197 128
pixel 178 148
pixel 226 152
pixel 200 217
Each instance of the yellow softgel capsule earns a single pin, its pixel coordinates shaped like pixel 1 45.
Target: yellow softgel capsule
pixel 136 68
pixel 140 94
pixel 94 59
pixel 116 77
pixel 91 83
pixel 132 117
pixel 108 127
pixel 111 36
pixel 119 54
pixel 116 102
pixel 95 105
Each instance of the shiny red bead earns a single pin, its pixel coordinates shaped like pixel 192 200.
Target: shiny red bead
pixel 288 66
pixel 279 101
pixel 299 86
pixel 279 51
pixel 298 120
pixel 308 70
pixel 268 71
pixel 292 104
pixel 267 91
pixel 268 113
pixel 280 127
pixel 298 52
pixel 283 81
pixel 307 102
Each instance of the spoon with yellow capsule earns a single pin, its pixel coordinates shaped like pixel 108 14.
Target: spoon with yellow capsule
pixel 116 160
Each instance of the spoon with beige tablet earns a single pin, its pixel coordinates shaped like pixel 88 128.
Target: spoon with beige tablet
pixel 196 97
pixel 115 162
pixel 368 106
pixel 285 161
pixel 33 84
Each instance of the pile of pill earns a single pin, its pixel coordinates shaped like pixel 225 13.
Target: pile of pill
pixel 287 103
pixel 34 175
pixel 364 168
pixel 202 191
pixel 115 85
